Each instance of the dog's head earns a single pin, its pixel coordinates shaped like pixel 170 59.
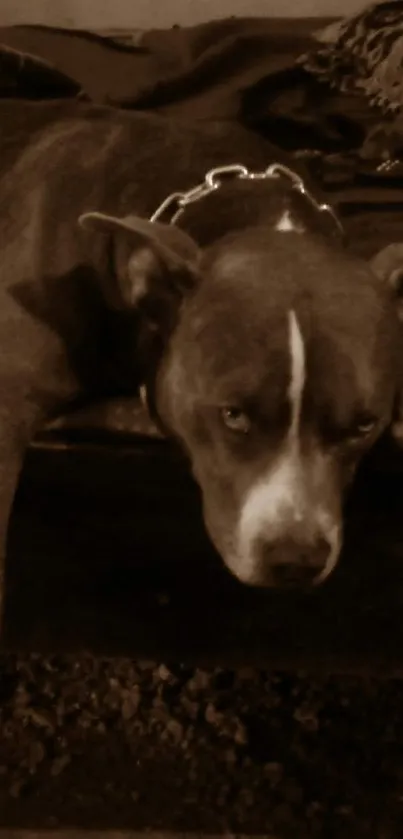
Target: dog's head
pixel 275 361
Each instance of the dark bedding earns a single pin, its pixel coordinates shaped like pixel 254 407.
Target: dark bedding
pixel 260 72
pixel 200 71
pixel 303 82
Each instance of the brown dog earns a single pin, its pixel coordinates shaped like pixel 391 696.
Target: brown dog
pixel 268 351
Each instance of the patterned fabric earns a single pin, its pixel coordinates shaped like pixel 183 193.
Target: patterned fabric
pixel 363 54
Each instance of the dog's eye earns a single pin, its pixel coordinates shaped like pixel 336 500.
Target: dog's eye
pixel 354 433
pixel 362 427
pixel 235 419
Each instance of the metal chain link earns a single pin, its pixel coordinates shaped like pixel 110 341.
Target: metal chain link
pixel 178 201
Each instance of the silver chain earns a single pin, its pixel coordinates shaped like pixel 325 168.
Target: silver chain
pixel 178 201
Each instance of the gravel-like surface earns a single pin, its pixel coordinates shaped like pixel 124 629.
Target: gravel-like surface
pixel 120 744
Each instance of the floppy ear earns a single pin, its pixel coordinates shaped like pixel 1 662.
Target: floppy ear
pixel 149 266
pixel 388 266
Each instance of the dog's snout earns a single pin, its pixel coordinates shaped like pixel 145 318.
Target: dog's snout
pixel 292 564
pixel 293 575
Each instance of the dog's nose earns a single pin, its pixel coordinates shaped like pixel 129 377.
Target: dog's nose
pixel 293 575
pixel 293 565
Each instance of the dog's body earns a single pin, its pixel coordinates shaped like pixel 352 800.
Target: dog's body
pixel 265 347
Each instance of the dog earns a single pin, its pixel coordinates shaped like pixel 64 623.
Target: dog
pixel 265 348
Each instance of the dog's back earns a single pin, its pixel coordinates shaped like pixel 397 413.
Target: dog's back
pixel 61 159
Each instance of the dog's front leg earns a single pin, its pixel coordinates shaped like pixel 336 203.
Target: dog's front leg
pixel 11 459
pixel 36 381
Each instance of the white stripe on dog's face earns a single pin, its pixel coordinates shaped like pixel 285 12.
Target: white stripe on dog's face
pixel 265 505
pixel 297 382
pixel 287 224
pixel 278 501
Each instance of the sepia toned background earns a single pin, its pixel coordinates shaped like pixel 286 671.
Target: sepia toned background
pixel 155 13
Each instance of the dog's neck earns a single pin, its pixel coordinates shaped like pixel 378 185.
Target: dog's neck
pixel 241 204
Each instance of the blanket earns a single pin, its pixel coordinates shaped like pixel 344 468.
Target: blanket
pixel 199 72
pixel 354 73
pixel 306 84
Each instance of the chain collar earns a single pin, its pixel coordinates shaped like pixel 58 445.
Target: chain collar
pixel 174 206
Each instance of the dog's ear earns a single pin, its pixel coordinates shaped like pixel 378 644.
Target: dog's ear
pixel 148 266
pixel 388 266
